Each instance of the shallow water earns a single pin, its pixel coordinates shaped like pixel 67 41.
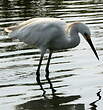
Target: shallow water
pixel 76 74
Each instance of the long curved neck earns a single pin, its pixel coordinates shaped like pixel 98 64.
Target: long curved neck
pixel 74 39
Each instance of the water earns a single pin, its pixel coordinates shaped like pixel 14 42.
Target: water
pixel 76 74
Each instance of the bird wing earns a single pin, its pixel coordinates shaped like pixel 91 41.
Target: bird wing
pixel 37 31
pixel 21 25
pixel 28 22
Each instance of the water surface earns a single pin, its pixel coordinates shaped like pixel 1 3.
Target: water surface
pixel 76 74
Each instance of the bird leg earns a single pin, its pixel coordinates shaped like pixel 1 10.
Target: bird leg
pixel 47 73
pixel 38 75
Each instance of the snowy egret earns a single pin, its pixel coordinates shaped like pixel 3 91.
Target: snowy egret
pixel 50 34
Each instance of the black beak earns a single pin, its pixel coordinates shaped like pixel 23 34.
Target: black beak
pixel 91 45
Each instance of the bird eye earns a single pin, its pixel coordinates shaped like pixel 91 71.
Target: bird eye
pixel 85 34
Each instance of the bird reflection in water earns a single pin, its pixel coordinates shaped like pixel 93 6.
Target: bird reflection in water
pixel 54 103
pixel 93 104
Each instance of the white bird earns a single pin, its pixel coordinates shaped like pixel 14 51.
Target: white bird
pixel 50 34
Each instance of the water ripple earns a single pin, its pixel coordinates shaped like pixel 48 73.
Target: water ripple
pixel 72 72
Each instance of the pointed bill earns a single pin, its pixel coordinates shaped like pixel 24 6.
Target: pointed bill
pixel 92 47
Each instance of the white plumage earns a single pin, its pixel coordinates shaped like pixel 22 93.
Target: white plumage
pixel 52 34
pixel 43 32
pixel 37 31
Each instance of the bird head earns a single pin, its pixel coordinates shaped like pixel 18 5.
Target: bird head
pixel 84 30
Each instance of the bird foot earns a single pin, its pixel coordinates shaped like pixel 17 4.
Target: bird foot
pixel 53 91
pixel 44 93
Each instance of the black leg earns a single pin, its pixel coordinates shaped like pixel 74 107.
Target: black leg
pixel 38 74
pixel 47 73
